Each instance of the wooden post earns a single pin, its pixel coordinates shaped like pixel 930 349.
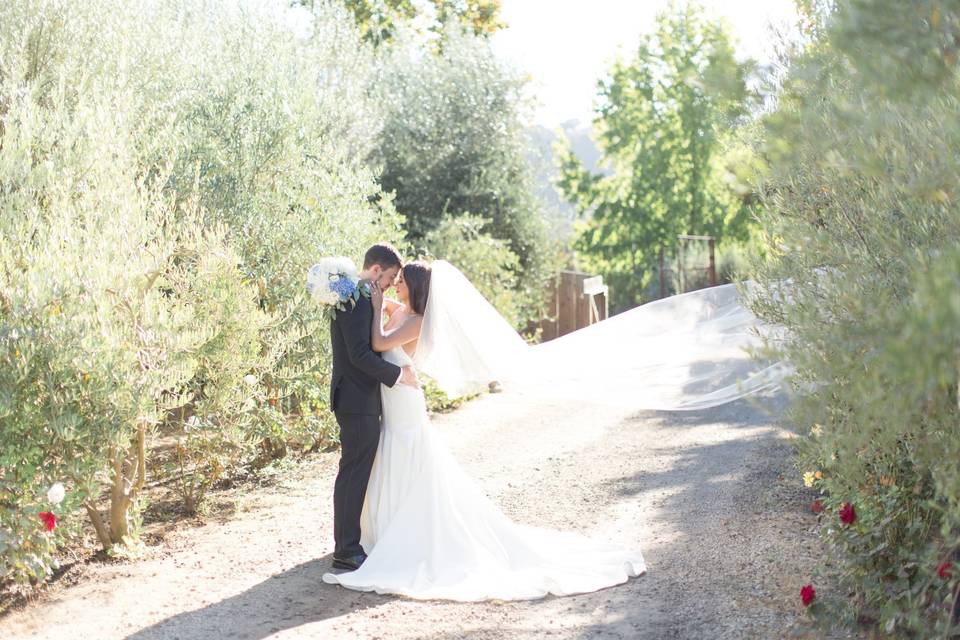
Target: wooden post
pixel 548 326
pixel 712 269
pixel 583 303
pixel 594 295
pixel 680 266
pixel 567 318
pixel 663 282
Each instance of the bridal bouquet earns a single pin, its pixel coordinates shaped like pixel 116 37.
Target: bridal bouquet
pixel 334 283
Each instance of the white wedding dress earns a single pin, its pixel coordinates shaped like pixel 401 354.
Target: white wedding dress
pixel 431 533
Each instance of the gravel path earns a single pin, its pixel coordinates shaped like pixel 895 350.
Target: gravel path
pixel 709 497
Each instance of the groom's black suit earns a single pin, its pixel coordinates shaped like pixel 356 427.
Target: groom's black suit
pixel 358 372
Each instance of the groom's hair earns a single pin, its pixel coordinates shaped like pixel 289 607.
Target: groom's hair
pixel 383 254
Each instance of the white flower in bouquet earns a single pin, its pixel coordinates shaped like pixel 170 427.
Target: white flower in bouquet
pixel 347 268
pixel 56 493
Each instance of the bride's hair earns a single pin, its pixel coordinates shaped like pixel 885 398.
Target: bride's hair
pixel 416 275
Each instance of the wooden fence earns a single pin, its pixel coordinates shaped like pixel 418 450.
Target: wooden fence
pixel 577 301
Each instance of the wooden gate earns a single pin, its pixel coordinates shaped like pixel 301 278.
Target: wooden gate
pixel 577 301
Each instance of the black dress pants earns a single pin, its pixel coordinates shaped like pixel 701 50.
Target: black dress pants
pixel 359 438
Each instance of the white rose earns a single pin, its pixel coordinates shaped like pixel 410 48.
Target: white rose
pixel 56 493
pixel 330 297
pixel 316 277
pixel 328 266
pixel 346 267
pixel 250 379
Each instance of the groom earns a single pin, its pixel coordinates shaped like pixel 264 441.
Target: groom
pixel 355 383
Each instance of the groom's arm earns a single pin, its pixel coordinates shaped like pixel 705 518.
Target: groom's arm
pixel 355 326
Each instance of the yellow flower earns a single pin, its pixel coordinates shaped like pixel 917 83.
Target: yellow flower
pixel 808 478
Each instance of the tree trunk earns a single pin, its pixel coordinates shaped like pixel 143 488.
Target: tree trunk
pixel 102 532
pixel 127 479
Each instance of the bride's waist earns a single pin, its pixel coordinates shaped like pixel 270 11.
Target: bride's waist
pixel 401 390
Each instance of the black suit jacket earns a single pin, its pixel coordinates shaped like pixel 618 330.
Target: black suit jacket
pixel 358 371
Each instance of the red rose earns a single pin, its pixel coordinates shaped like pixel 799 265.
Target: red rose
pixel 945 570
pixel 807 594
pixel 49 520
pixel 817 506
pixel 847 513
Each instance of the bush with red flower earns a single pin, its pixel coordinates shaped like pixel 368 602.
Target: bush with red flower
pixel 847 513
pixel 863 276
pixel 945 570
pixel 49 520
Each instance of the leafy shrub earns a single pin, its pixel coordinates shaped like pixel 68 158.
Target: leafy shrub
pixel 168 174
pixel 862 222
pixel 226 362
pixel 453 144
pixel 489 263
pixel 437 400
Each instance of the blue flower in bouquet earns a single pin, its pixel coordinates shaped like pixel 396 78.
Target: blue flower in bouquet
pixel 344 287
pixel 332 282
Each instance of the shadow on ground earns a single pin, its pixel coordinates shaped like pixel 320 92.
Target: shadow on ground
pixel 717 498
pixel 290 599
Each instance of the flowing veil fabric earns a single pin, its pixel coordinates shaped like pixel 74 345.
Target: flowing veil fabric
pixel 686 352
pixel 464 342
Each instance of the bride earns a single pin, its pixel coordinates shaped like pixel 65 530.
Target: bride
pixel 428 529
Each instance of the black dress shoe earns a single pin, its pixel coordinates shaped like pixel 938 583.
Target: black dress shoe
pixel 350 563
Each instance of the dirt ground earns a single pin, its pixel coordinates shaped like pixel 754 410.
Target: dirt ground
pixel 710 497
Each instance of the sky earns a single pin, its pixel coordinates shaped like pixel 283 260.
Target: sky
pixel 567 45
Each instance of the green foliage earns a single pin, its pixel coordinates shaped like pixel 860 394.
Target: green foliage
pixel 862 220
pixel 166 178
pixel 223 395
pixel 381 20
pixel 453 144
pixel 660 123
pixel 486 261
pixel 438 401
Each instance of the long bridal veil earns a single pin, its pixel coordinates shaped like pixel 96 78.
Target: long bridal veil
pixel 690 351
pixel 464 343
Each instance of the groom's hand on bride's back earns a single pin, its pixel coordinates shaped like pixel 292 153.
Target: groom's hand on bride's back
pixel 408 376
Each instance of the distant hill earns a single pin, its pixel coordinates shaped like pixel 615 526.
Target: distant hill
pixel 543 163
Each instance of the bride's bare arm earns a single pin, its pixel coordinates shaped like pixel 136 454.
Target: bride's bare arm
pixel 408 331
pixel 390 305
